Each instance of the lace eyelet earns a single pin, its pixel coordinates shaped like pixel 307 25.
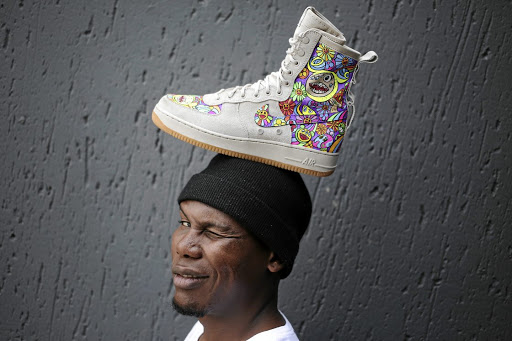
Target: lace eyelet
pixel 296 63
pixel 290 72
pixel 279 92
pixel 287 83
pixel 256 95
pixel 242 96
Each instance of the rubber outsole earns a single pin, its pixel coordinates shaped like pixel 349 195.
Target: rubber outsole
pixel 162 126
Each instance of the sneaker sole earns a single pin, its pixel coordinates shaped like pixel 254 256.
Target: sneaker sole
pixel 205 139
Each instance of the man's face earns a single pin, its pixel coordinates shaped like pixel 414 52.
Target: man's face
pixel 216 263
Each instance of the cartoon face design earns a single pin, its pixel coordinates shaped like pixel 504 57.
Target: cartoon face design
pixel 317 107
pixel 303 134
pixel 320 84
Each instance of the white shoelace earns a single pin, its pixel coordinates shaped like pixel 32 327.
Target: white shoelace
pixel 350 98
pixel 276 78
pixel 368 57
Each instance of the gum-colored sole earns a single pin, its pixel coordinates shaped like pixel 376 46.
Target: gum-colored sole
pixel 274 163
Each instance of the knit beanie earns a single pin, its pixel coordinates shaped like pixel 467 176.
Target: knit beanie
pixel 273 204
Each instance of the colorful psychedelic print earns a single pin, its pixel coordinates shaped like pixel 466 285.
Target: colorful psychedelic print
pixel 317 108
pixel 262 118
pixel 195 102
pixel 323 136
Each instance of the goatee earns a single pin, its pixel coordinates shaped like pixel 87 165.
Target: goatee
pixel 188 311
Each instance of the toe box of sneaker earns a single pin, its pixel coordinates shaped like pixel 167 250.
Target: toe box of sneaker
pixel 218 119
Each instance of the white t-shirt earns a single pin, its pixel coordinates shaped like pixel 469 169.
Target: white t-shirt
pixel 283 333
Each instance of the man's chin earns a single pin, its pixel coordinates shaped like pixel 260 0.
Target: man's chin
pixel 189 310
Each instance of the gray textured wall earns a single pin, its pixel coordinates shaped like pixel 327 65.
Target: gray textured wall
pixel 410 237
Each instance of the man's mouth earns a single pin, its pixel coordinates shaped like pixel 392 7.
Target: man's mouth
pixel 192 276
pixel 188 282
pixel 185 278
pixel 318 88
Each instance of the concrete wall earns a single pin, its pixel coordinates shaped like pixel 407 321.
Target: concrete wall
pixel 410 237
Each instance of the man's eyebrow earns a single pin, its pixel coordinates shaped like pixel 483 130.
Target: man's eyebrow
pixel 224 228
pixel 181 211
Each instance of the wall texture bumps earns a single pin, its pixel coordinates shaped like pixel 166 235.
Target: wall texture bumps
pixel 410 237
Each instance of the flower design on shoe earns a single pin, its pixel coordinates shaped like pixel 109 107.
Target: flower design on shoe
pixel 261 116
pixel 325 52
pixel 323 110
pixel 345 63
pixel 316 109
pixel 333 125
pixel 321 129
pixel 318 136
pixel 287 107
pixel 298 92
pixel 263 119
pixel 307 120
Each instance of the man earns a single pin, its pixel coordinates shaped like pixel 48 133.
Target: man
pixel 238 235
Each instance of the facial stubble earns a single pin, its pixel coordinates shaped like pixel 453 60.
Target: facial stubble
pixel 188 311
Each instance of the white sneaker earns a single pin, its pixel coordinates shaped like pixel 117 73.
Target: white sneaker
pixel 295 118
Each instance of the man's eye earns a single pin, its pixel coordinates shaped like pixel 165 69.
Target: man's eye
pixel 213 234
pixel 184 223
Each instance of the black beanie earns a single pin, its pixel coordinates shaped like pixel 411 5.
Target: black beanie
pixel 272 203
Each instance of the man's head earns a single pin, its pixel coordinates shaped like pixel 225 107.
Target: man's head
pixel 240 227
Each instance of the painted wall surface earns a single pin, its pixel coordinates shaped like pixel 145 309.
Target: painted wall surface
pixel 410 237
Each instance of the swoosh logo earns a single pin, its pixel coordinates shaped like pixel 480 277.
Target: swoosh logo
pixel 263 118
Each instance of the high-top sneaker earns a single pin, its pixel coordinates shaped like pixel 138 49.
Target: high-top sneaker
pixel 295 118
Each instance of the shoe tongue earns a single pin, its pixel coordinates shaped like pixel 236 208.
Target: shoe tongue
pixel 311 18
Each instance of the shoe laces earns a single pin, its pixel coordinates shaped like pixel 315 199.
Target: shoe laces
pixel 368 57
pixel 276 78
pixel 351 98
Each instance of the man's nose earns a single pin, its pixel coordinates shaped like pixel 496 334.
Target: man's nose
pixel 187 243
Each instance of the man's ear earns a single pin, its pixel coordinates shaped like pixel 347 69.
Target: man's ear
pixel 274 263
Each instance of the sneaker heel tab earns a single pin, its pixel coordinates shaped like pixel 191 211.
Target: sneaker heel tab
pixel 312 19
pixel 369 57
pixel 306 13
